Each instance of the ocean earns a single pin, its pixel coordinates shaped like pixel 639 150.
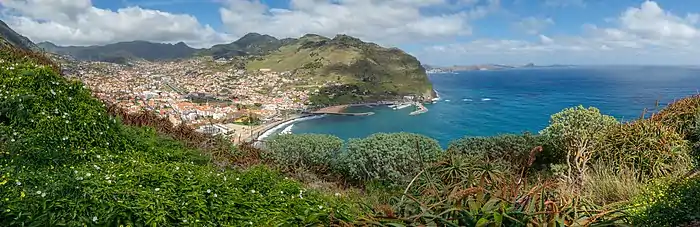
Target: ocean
pixel 487 103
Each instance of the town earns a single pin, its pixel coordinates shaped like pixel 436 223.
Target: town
pixel 209 95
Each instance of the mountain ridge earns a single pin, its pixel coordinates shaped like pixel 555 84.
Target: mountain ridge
pixel 12 38
pixel 344 68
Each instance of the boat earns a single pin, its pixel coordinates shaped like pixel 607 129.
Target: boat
pixel 392 106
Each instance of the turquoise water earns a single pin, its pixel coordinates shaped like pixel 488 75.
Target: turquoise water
pixel 484 103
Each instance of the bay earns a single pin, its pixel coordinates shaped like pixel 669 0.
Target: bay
pixel 487 103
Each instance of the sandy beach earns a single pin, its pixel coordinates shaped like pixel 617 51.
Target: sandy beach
pixel 333 109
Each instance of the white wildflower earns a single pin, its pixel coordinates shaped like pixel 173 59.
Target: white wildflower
pixel 14 133
pixel 12 140
pixel 208 191
pixel 337 194
pixel 88 174
pixel 109 181
pixel 43 194
pixel 157 189
pixel 320 207
pixel 96 167
pixel 99 156
pixel 18 183
pixel 94 219
pixel 67 122
pixel 250 222
pixel 75 171
pixel 177 168
pixel 184 221
pixel 238 178
pixel 53 92
pixel 281 192
pixel 215 195
pixel 252 191
pixel 38 192
pixel 65 138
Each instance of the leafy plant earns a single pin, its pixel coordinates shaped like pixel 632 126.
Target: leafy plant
pixel 676 204
pixel 682 115
pixel 514 149
pixel 650 147
pixel 307 151
pixel 388 157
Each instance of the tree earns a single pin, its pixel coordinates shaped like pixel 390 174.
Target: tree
pixel 578 132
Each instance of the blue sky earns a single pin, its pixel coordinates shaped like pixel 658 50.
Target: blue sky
pixel 442 32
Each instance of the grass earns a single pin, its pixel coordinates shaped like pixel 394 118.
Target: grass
pixel 605 185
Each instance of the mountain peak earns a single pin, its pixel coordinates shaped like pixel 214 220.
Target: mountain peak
pixel 9 36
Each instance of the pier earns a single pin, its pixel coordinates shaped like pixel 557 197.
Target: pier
pixel 421 109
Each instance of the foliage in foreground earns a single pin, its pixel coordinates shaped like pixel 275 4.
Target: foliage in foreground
pixel 306 151
pixel 513 149
pixel 677 204
pixel 467 191
pixel 652 148
pixel 64 161
pixel 393 158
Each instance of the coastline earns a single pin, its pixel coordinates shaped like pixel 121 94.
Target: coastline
pixel 268 129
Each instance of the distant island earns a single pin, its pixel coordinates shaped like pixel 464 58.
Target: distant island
pixel 482 67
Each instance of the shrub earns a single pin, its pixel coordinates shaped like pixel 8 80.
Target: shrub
pixel 650 147
pixel 308 151
pixel 514 149
pixel 578 132
pixel 388 157
pixel 683 116
pixel 675 205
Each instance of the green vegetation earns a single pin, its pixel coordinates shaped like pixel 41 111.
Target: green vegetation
pixel 67 159
pixel 393 158
pixel 365 72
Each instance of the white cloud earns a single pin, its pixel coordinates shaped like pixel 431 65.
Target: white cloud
pixel 533 25
pixel 386 22
pixel 643 35
pixel 78 22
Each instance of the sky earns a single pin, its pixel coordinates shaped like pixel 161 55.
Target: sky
pixel 437 32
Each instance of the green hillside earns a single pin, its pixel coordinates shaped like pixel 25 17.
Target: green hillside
pixel 65 162
pixel 364 71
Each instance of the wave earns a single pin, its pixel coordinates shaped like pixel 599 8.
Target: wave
pixel 286 126
pixel 287 130
pixel 437 96
pixel 486 99
pixel 467 100
pixel 447 100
